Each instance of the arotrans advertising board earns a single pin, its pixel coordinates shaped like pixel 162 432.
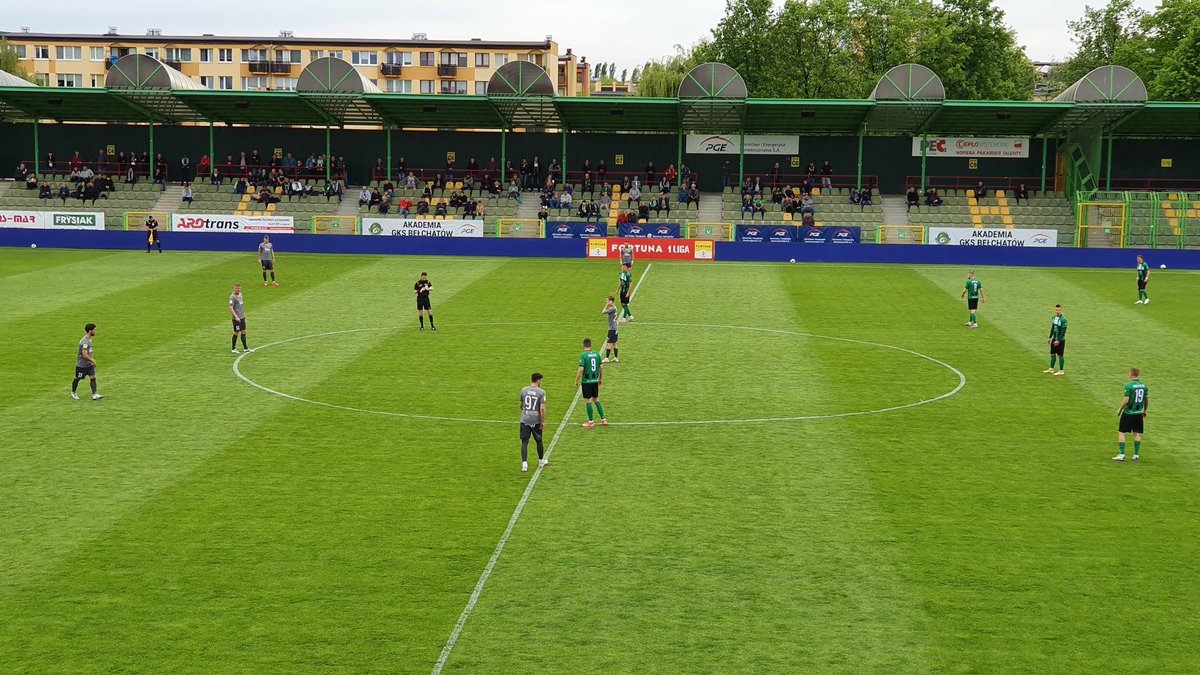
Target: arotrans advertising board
pixel 992 236
pixel 208 222
pixel 652 249
pixel 411 227
pixel 52 220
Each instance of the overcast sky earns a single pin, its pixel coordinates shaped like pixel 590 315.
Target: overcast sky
pixel 602 30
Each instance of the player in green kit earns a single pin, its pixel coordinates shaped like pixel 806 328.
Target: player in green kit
pixel 1133 414
pixel 591 374
pixel 974 294
pixel 626 278
pixel 1143 271
pixel 1057 341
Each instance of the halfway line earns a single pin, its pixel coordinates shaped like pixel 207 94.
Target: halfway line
pixel 512 522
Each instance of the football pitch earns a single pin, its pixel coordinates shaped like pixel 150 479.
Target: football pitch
pixel 809 468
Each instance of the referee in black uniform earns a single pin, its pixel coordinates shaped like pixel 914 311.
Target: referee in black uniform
pixel 422 289
pixel 152 234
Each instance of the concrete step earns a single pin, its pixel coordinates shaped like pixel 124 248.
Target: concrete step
pixel 710 208
pixel 895 209
pixel 170 199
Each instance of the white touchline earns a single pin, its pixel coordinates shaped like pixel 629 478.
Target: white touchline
pixel 512 522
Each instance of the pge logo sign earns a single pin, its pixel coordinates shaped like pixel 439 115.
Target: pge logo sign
pixel 716 145
pixel 664 232
pixel 637 231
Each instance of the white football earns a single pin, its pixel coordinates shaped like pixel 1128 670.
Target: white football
pixel 792 260
pixel 1162 266
pixel 35 246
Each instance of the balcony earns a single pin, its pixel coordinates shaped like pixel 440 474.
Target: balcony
pixel 390 70
pixel 260 67
pixel 281 68
pixel 447 70
pixel 173 64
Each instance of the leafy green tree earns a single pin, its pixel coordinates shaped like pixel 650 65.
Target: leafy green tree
pixel 1179 77
pixel 10 62
pixel 1111 35
pixel 637 71
pixel 661 78
pixel 625 75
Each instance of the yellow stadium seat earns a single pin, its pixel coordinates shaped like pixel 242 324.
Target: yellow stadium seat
pixel 1172 196
pixel 1174 222
pixel 971 201
pixel 1191 213
pixel 970 194
pixel 816 192
pixel 787 217
pixel 974 210
pixel 976 220
pixel 995 210
pixel 1002 201
pixel 1196 205
pixel 270 207
pixel 245 198
pixel 999 194
pixel 616 190
pixel 1008 221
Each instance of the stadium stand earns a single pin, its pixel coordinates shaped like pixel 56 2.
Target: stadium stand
pixel 960 208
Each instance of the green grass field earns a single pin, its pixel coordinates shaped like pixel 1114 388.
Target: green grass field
pixel 191 522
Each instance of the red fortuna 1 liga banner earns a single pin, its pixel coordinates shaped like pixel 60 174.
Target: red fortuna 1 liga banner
pixel 652 249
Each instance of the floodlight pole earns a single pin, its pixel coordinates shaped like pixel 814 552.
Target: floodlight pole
pixel 37 148
pixel 1045 142
pixel 388 169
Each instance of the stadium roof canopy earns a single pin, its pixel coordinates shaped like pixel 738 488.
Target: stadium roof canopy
pixel 907 104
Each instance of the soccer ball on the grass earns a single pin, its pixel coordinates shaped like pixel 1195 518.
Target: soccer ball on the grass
pixel 1162 266
pixel 33 246
pixel 792 260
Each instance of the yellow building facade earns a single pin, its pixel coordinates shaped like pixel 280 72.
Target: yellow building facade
pixel 414 66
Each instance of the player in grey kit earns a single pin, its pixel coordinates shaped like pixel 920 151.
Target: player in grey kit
pixel 237 308
pixel 266 258
pixel 85 363
pixel 610 343
pixel 533 419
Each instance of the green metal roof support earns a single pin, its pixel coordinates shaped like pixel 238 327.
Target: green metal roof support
pixel 1045 144
pixel 924 157
pixel 1108 166
pixel 212 152
pixel 153 157
pixel 858 178
pixel 37 148
pixel 328 154
pixel 741 157
pixel 562 172
pixel 504 160
pixel 679 156
pixel 387 170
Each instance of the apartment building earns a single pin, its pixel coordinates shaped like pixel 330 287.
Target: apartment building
pixel 417 65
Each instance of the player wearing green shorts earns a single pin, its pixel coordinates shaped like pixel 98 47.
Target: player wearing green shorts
pixel 1057 341
pixel 626 279
pixel 591 374
pixel 1143 272
pixel 1132 414
pixel 974 295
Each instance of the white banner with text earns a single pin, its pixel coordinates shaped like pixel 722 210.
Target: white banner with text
pixel 409 227
pixel 992 236
pixel 208 222
pixel 52 220
pixel 756 144
pixel 993 148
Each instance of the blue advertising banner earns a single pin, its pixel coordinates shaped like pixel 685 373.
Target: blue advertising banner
pixel 775 234
pixel 649 230
pixel 558 229
pixel 831 235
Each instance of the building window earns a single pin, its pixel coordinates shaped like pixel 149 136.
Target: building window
pixel 399 58
pixel 68 53
pixel 42 79
pixel 98 81
pixel 225 82
pixel 336 54
pixel 287 55
pixel 454 87
pixel 255 83
pixel 152 52
pixel 454 59
pixel 427 59
pixel 399 86
pixel 316 54
pixel 364 58
pixel 97 54
pixel 206 81
pixel 480 88
pixel 70 80
pixel 501 59
pixel 483 60
pixel 19 49
pixel 253 55
pixel 180 54
pixel 225 56
pixel 427 87
pixel 206 55
pixel 41 52
pixel 285 84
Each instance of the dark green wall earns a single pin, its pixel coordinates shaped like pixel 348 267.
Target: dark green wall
pixel 888 158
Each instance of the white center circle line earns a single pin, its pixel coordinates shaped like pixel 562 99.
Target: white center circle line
pixel 962 378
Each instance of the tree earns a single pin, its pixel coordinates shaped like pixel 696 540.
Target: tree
pixel 625 75
pixel 636 74
pixel 976 55
pixel 1111 35
pixel 10 62
pixel 742 40
pixel 661 78
pixel 1179 77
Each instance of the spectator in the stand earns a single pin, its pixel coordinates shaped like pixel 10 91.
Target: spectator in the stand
pixel 310 163
pixel 552 173
pixel 492 167
pixel 807 219
pixel 50 167
pixel 759 207
pixel 626 184
pixel 90 193
pixel 664 185
pixel 470 207
pixel 380 170
pixel 449 168
pixel 44 191
pixel 76 161
pixel 671 174
pixel 21 172
pixel 643 212
pixel 757 188
pixel 565 200
pixel 441 208
pixel 932 198
pixel 543 214
pixel 535 169
pixel 131 173
pixel 601 171
pixel 855 196
pixel 427 192
pixel 334 189
pixel 912 198
pixel 423 208
pixel 726 174
pixel 401 166
pixel 204 166
pixel 187 194
pixel 826 175
pixel 683 193
pixel 295 189
pixel 1021 193
pixel 215 176
pixel 662 204
pixel 650 173
pixel 404 206
pixel 747 205
pixel 693 195
pixel 605 201
pixel 384 207
pixel 457 199
pixel 583 211
pixel 806 205
pixel 31 181
pixel 811 172
pixel 635 194
pixel 469 182
pixel 185 169
pixel 121 160
pixel 514 189
pixel 777 194
pixel 255 158
pixel 84 174
pixel 410 181
pixel 589 185
pixel 64 193
pixel 388 186
pixel 980 190
pixel 866 197
pixel 526 172
pixel 289 164
pixel 364 197
pixel 160 178
pixel 776 174
pixel 439 183
pixel 587 166
pixel 240 187
pixel 266 197
pixel 806 186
